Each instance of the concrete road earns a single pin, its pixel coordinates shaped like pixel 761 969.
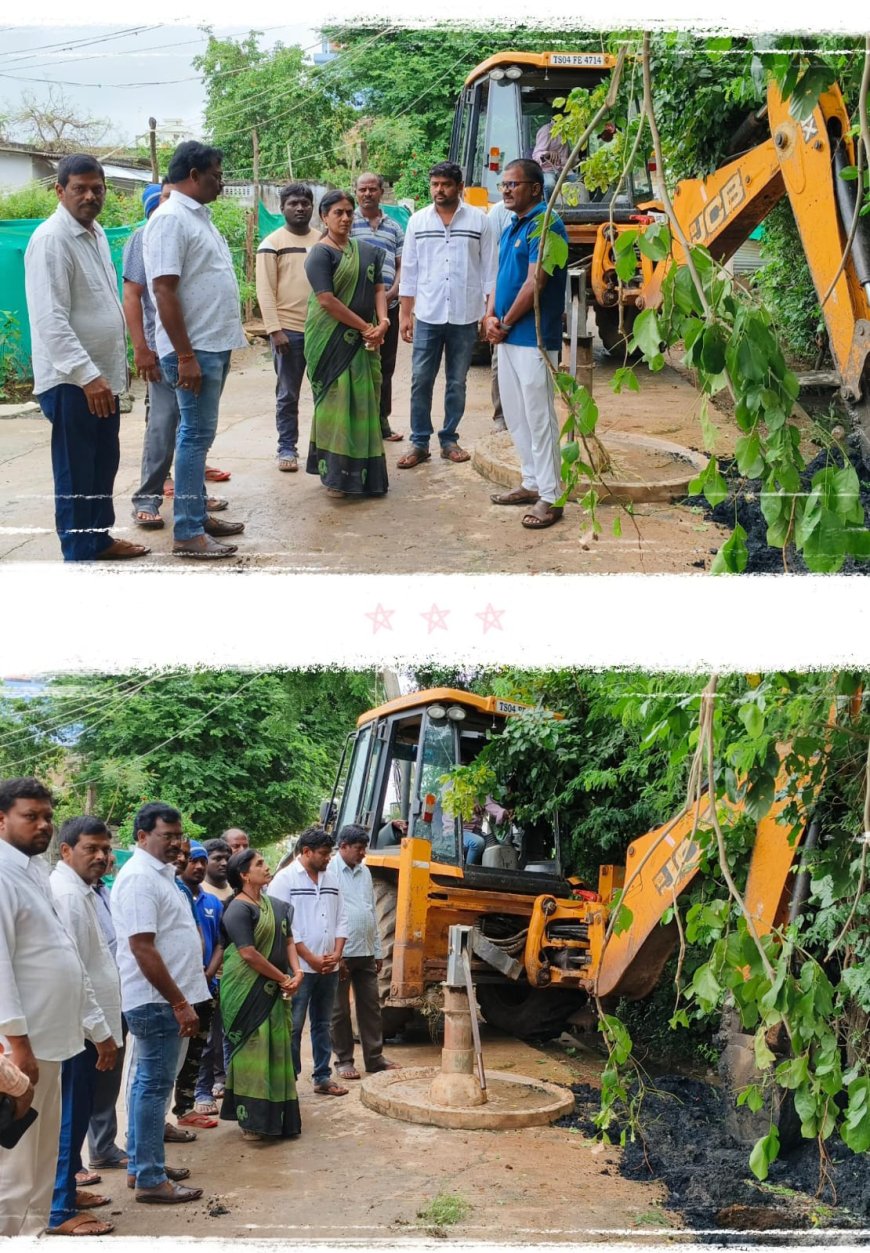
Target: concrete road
pixel 437 517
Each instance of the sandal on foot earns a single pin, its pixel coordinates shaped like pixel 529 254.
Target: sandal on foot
pixel 452 452
pixel 288 464
pixel 218 1090
pixel 91 1200
pixel 517 496
pixel 385 1066
pixel 167 1194
pixel 252 1135
pixel 197 1120
pixel 122 550
pixel 81 1225
pixel 205 1107
pixel 347 1072
pixel 394 437
pixel 176 1135
pixel 334 494
pixel 330 1089
pixel 203 548
pixel 415 457
pixel 215 504
pixel 213 475
pixel 540 521
pixel 87 1178
pixel 148 521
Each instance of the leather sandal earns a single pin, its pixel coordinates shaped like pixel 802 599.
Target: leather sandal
pixel 415 457
pixel 174 1174
pixel 540 521
pixel 452 452
pixel 203 548
pixel 122 550
pixel 148 521
pixel 91 1200
pixel 330 1089
pixel 81 1225
pixel 288 464
pixel 216 504
pixel 219 527
pixel 347 1072
pixel 177 1135
pixel 87 1178
pixel 517 496
pixel 394 437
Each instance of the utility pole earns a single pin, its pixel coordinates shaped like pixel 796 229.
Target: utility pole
pixel 152 144
pixel 252 221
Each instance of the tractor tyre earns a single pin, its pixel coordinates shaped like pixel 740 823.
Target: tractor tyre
pixel 737 1069
pixel 615 341
pixel 393 1018
pixel 524 1012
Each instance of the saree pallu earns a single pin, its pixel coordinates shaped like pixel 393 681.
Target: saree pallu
pixel 346 448
pixel 260 1086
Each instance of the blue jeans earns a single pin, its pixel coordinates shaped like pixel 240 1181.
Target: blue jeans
pixel 78 1081
pixel 157 1045
pixel 290 369
pixel 196 431
pixel 473 846
pixel 316 997
pixel 85 453
pixel 431 342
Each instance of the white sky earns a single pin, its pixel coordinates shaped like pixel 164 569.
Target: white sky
pixel 99 76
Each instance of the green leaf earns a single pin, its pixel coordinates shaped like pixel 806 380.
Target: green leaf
pixel 713 350
pixel 647 334
pixel 624 376
pixel 750 461
pixel 760 796
pixel 555 252
pixel 763 1153
pixel 752 718
pixel 825 548
pixel 752 1096
pixel 617 527
pixel 805 97
pixel 708 430
pixel 733 556
pixel 655 241
pixel 763 1056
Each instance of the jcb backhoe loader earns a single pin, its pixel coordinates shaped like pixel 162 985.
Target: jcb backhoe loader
pixel 506 97
pixel 538 942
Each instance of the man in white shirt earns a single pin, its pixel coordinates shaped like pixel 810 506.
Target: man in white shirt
pixel 160 961
pixel 79 353
pixel 361 960
pixel 319 931
pixel 447 265
pixel 46 1000
pixel 193 284
pixel 85 849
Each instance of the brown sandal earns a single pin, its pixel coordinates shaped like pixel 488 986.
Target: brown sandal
pixel 517 496
pixel 394 437
pixel 81 1225
pixel 452 452
pixel 330 1089
pixel 540 521
pixel 91 1200
pixel 415 457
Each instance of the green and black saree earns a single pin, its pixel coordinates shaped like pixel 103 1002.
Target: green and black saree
pixel 261 1086
pixel 346 447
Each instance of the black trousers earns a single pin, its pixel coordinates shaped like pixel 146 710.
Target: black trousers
pixel 389 351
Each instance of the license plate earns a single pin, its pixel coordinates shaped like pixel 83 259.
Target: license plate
pixel 590 60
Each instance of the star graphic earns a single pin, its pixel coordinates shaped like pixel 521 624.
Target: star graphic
pixel 380 619
pixel 437 619
pixel 491 619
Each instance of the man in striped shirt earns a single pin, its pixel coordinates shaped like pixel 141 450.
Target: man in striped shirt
pixel 320 931
pixel 448 264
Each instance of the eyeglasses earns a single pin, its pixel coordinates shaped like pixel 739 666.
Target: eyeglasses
pixel 510 184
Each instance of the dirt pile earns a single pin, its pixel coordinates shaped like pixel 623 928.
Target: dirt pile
pixel 743 507
pixel 683 1143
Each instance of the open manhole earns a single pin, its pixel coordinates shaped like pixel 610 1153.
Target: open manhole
pixel 512 1101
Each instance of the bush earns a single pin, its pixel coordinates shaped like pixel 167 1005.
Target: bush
pixel 786 286
pixel 36 201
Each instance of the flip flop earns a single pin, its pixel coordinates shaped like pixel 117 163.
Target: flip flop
pixel 87 1178
pixel 175 1135
pixel 76 1226
pixel 167 1194
pixel 415 457
pixel 91 1200
pixel 347 1072
pixel 330 1089
pixel 148 521
pixel 197 1120
pixel 538 522
pixel 213 475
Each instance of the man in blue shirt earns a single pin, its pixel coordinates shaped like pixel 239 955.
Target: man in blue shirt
pixel 524 378
pixel 190 1108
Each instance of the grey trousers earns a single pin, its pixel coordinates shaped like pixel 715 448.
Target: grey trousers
pixel 364 982
pixel 103 1128
pixel 158 448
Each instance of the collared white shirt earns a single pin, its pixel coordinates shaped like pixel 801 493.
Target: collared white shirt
pixel 180 238
pixel 45 992
pixel 77 328
pixel 76 903
pixel 358 893
pixel 319 916
pixel 448 269
pixel 145 901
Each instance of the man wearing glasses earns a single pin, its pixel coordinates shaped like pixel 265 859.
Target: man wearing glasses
pixel 524 378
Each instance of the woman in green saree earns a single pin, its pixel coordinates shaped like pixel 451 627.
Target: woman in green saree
pixel 345 326
pixel 259 956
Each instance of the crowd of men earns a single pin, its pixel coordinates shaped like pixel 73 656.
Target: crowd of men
pixel 142 963
pixel 453 275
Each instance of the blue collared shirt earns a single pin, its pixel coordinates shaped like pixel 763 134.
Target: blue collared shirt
pixel 516 252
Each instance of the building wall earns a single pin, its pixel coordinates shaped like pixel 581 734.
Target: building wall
pixel 16 170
